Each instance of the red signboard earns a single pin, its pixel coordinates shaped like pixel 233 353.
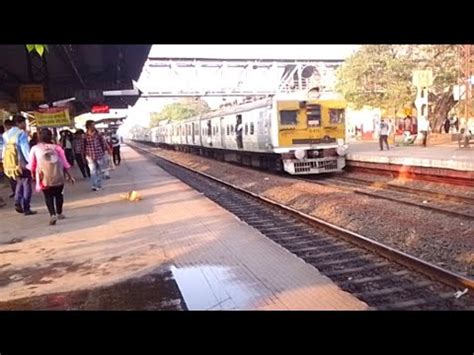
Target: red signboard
pixel 100 109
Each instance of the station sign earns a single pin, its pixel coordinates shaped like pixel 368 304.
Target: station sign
pixel 100 109
pixel 458 92
pixel 31 93
pixel 422 78
pixel 52 117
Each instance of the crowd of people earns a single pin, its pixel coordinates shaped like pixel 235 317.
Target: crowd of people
pixel 408 129
pixel 47 161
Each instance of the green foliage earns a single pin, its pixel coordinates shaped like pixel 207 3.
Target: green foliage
pixel 38 48
pixel 381 76
pixel 179 111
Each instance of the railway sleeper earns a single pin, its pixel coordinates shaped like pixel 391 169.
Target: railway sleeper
pixel 288 236
pixel 363 258
pixel 356 269
pixel 311 247
pixel 342 252
pixel 418 302
pixel 378 278
pixel 392 290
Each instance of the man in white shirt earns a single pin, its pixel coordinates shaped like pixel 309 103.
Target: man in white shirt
pixel 115 139
pixel 423 128
pixel 384 130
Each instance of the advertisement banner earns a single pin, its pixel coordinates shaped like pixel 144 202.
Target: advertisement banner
pixel 52 117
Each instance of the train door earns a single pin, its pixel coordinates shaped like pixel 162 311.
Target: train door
pixel 315 121
pixel 223 132
pixel 209 133
pixel 239 131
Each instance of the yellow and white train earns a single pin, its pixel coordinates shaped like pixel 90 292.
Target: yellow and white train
pixel 278 133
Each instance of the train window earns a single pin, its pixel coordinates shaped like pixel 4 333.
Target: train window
pixel 208 128
pixel 227 129
pixel 336 116
pixel 313 113
pixel 288 117
pixel 246 129
pixel 252 130
pixel 232 129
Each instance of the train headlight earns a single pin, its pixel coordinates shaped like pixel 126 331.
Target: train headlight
pixel 300 154
pixel 340 141
pixel 341 150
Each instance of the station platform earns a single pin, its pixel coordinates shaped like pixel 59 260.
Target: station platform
pixel 217 261
pixel 447 160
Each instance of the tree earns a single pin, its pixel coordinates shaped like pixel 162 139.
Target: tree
pixel 178 111
pixel 381 76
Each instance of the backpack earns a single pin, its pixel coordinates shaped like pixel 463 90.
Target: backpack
pixel 50 167
pixel 11 164
pixel 115 141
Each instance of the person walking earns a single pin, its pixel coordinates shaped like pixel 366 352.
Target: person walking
pixel 66 144
pixel 424 127
pixel 116 148
pixel 49 165
pixel 456 124
pixel 33 140
pixel 446 125
pixel 384 131
pixel 78 145
pixel 95 148
pixel 15 155
pixel 8 124
pixel 107 165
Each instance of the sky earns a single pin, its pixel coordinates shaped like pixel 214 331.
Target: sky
pixel 139 114
pixel 254 51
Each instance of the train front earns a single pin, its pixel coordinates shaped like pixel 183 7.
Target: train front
pixel 311 135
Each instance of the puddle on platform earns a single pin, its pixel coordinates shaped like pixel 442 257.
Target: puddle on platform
pixel 155 291
pixel 207 287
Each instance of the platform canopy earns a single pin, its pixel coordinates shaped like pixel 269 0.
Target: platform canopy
pixel 67 71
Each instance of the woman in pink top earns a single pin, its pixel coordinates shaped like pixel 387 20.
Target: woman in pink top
pixel 49 165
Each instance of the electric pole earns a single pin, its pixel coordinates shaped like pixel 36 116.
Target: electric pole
pixel 466 54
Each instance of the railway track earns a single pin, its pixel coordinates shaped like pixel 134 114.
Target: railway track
pixel 415 191
pixel 413 173
pixel 379 275
pixel 448 204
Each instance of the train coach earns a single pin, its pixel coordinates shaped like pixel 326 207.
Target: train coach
pixel 277 133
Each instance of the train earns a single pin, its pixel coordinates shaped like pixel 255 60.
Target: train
pixel 296 135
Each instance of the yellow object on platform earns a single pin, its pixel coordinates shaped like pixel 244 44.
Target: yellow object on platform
pixel 132 196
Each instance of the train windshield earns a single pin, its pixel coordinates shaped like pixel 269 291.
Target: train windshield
pixel 288 118
pixel 336 116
